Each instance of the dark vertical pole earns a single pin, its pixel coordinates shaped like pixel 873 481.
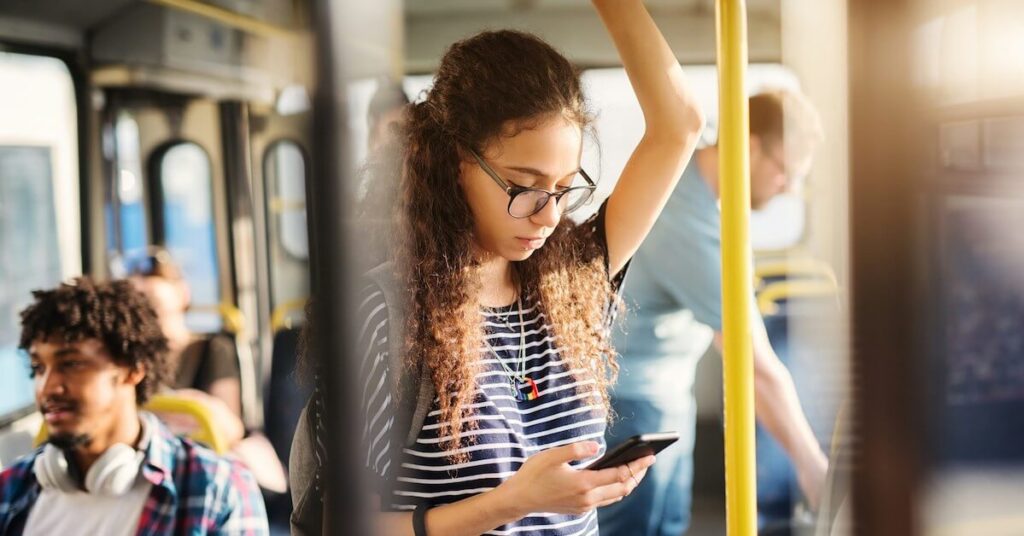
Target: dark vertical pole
pixel 328 196
pixel 885 165
pixel 238 191
pixel 87 124
pixel 252 283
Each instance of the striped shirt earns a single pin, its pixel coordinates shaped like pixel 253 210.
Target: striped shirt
pixel 507 430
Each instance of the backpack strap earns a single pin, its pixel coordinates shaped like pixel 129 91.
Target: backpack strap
pixel 412 388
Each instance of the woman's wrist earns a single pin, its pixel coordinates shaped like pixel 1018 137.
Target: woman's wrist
pixel 504 504
pixel 476 514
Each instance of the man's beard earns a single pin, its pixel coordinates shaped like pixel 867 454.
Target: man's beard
pixel 69 441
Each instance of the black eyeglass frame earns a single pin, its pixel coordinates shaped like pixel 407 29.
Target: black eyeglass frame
pixel 513 190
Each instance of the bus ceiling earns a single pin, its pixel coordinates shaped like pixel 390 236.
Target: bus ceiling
pixel 238 47
pixel 220 49
pixel 573 28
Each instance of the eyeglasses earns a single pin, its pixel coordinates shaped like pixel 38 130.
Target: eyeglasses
pixel 525 202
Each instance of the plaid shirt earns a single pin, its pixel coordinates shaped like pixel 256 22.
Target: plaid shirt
pixel 194 491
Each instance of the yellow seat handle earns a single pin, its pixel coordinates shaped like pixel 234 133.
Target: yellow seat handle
pixel 232 316
pixel 234 320
pixel 768 298
pixel 804 267
pixel 206 432
pixel 280 318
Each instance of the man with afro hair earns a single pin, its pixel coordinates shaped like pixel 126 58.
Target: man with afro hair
pixel 96 354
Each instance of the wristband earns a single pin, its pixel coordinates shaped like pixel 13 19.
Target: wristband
pixel 419 519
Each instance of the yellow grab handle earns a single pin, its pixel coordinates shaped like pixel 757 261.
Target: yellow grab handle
pixel 734 183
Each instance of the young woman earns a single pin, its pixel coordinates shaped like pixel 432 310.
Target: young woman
pixel 509 301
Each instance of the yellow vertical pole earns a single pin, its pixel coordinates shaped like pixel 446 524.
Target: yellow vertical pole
pixel 734 184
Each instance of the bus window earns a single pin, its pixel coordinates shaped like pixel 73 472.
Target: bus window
pixel 40 233
pixel 187 228
pixel 130 189
pixel 284 168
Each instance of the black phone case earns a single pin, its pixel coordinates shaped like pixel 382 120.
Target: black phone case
pixel 635 448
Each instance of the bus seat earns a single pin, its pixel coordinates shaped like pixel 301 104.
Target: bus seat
pixel 285 395
pixel 204 431
pixel 285 398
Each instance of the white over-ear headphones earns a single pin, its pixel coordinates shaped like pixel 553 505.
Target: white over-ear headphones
pixel 114 473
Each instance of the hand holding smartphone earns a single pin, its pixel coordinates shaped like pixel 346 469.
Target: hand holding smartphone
pixel 635 448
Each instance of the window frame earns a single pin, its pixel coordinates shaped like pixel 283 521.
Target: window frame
pixel 81 89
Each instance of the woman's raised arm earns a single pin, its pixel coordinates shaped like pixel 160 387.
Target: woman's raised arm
pixel 673 122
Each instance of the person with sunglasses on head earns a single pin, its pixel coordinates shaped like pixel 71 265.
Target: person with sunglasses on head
pixel 506 302
pixel 205 368
pixel 96 354
pixel 675 288
pixel 201 362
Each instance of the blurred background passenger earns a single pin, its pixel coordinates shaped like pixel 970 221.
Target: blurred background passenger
pixel 675 291
pixel 205 367
pixel 386 114
pixel 204 362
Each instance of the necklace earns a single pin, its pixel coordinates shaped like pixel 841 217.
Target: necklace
pixel 519 381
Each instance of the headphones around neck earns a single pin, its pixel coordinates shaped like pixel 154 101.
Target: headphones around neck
pixel 113 474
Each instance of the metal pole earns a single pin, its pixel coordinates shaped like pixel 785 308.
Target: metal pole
pixel 734 183
pixel 347 497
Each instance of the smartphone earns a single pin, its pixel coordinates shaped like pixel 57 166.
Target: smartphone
pixel 635 448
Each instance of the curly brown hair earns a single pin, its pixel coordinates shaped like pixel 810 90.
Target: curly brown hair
pixel 112 312
pixel 492 85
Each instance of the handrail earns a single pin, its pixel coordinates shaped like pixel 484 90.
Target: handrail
pixel 768 298
pixel 206 432
pixel 227 17
pixel 734 182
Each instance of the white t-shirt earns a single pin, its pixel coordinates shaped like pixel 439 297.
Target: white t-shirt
pixel 80 512
pixel 57 512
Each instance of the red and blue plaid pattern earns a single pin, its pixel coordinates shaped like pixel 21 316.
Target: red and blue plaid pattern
pixel 194 491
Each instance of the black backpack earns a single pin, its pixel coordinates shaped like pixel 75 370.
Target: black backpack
pixel 411 387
